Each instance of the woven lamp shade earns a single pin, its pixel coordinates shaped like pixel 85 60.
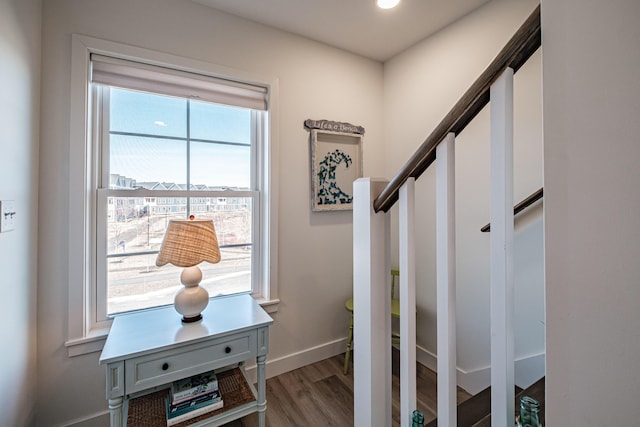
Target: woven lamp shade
pixel 189 242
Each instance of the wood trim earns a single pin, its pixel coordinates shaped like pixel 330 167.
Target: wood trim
pixel 515 53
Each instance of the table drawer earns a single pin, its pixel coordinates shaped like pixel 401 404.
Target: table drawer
pixel 157 369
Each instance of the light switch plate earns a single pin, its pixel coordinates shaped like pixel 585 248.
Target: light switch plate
pixel 7 215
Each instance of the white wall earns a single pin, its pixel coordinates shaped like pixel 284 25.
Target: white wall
pixel 315 257
pixel 19 115
pixel 591 199
pixel 420 87
pixel 592 211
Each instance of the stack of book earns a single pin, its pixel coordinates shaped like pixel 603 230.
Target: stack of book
pixel 192 397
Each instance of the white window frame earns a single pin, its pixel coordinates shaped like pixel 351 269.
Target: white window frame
pixel 100 116
pixel 85 333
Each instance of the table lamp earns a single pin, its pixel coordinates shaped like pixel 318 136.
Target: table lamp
pixel 186 244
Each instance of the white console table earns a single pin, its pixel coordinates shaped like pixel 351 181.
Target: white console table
pixel 146 351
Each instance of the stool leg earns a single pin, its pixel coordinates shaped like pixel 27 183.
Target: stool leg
pixel 348 352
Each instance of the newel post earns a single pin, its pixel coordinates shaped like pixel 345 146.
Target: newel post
pixel 371 307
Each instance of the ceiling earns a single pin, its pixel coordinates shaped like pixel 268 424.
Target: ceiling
pixel 357 26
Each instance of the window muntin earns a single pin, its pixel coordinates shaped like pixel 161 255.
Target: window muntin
pixel 149 148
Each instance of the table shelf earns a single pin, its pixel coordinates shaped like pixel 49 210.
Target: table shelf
pixel 238 395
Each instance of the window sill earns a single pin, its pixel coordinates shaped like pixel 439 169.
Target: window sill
pixel 94 341
pixel 88 344
pixel 270 306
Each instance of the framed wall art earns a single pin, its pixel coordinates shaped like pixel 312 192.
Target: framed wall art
pixel 336 161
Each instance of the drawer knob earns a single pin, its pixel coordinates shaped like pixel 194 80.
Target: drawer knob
pixel 165 366
pixel 227 349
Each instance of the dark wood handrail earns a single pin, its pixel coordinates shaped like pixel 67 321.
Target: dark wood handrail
pixel 520 206
pixel 514 54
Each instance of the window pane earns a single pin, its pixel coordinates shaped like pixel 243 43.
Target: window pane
pixel 163 143
pixel 153 163
pixel 136 226
pixel 136 283
pixel 220 165
pixel 232 220
pixel 231 275
pixel 231 217
pixel 149 114
pixel 220 123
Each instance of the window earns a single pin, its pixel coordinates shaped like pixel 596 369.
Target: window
pixel 164 141
pixel 178 157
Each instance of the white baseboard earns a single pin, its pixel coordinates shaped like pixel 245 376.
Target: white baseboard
pixel 527 370
pixel 299 359
pixel 100 419
pixel 530 369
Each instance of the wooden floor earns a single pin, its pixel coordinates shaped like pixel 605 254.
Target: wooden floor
pixel 320 395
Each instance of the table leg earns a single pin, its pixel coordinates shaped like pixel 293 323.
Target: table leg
pixel 115 412
pixel 262 390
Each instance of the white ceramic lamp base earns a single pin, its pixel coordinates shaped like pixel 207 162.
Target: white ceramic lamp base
pixel 192 299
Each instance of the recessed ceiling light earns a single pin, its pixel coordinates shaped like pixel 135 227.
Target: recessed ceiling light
pixel 387 4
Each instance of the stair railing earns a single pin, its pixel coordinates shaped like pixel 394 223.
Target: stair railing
pixel 371 230
pixel 524 204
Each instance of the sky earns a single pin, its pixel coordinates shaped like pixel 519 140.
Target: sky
pixel 163 157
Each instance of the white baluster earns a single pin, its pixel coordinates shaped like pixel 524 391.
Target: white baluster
pixel 407 302
pixel 446 280
pixel 501 244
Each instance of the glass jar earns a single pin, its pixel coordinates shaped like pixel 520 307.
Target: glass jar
pixel 529 412
pixel 417 419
